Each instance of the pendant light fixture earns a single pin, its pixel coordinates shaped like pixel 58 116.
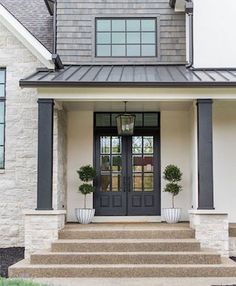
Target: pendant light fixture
pixel 125 123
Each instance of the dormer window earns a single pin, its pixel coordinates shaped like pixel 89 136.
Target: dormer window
pixel 126 37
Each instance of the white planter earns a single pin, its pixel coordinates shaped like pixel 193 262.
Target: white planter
pixel 84 216
pixel 171 215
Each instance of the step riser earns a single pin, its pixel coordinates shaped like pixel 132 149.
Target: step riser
pixel 125 259
pixel 124 247
pixel 123 272
pixel 149 234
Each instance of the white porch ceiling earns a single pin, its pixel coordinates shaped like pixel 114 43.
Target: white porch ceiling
pixel 131 106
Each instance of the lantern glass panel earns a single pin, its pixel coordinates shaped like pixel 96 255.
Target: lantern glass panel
pixel 125 124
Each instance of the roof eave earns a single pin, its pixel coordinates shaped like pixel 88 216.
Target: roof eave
pixel 50 6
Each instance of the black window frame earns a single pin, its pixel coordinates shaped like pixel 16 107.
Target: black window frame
pixel 3 99
pixel 126 44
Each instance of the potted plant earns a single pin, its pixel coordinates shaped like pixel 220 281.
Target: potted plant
pixel 86 174
pixel 173 175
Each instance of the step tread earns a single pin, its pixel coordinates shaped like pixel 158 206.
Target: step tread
pixel 127 240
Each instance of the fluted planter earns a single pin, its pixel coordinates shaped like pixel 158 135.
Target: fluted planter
pixel 171 215
pixel 84 216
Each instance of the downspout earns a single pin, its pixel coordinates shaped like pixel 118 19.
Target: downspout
pixel 189 12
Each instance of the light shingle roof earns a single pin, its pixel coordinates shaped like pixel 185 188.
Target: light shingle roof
pixel 34 16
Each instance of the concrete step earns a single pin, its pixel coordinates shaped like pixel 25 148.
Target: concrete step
pixel 126 233
pixel 24 269
pixel 125 258
pixel 124 245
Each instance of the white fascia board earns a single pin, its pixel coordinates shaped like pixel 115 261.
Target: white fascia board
pixel 180 6
pixel 26 38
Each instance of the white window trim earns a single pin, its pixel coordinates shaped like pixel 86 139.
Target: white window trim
pixel 26 38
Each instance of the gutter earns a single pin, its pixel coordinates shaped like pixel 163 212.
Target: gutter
pixel 189 12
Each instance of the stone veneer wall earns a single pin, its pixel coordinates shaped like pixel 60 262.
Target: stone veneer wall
pixel 18 182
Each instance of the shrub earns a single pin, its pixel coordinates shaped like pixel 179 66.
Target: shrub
pixel 17 282
pixel 173 175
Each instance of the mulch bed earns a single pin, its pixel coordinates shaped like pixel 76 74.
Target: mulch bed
pixel 9 256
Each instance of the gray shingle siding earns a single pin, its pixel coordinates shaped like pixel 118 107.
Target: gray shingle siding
pixel 75 28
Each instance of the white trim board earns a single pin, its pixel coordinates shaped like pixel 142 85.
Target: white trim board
pixel 26 38
pixel 127 219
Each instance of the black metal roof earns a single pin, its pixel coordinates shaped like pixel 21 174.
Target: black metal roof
pixel 34 16
pixel 130 75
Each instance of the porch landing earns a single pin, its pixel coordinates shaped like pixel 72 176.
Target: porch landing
pixel 125 250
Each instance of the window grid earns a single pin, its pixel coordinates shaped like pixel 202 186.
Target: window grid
pixel 141 32
pixel 2 116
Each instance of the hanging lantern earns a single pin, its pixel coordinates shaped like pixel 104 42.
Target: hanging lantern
pixel 125 123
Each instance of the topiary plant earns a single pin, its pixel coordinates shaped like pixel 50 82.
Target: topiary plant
pixel 86 174
pixel 173 175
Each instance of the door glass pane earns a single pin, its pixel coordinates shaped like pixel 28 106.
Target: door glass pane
pixel 105 144
pixel 116 145
pixel 105 183
pixel 148 163
pixel 148 182
pixel 137 182
pixel 137 163
pixel 105 163
pixel 1 157
pixel 148 144
pixel 116 182
pixel 116 163
pixel 137 144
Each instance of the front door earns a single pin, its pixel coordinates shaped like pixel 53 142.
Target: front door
pixel 128 173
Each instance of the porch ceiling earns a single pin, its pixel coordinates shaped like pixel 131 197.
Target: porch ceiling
pixel 130 76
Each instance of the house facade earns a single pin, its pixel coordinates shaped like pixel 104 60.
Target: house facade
pixel 64 77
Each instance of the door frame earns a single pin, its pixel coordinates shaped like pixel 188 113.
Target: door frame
pixel 137 131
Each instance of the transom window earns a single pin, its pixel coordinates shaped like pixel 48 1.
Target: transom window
pixel 2 115
pixel 126 37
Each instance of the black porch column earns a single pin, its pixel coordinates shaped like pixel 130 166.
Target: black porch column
pixel 45 154
pixel 205 154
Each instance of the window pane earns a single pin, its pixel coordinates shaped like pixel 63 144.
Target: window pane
pixel 136 144
pixel 133 25
pixel 137 182
pixel 2 76
pixel 138 119
pixel 118 25
pixel 1 112
pixel 102 119
pixel 104 25
pixel 118 38
pixel 113 119
pixel 104 38
pixel 2 90
pixel 105 142
pixel 103 50
pixel 116 182
pixel 1 157
pixel 133 38
pixel 137 163
pixel 148 25
pixel 116 145
pixel 1 134
pixel 118 50
pixel 148 163
pixel 148 144
pixel 148 50
pixel 148 38
pixel 116 163
pixel 133 50
pixel 150 119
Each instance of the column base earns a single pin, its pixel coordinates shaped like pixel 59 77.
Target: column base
pixel 211 229
pixel 41 229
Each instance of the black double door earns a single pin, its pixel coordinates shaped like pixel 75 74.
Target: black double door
pixel 128 175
